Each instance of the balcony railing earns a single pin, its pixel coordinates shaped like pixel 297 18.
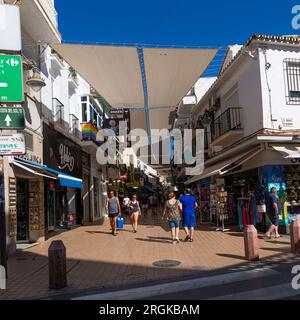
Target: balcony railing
pixel 74 125
pixel 228 121
pixel 58 111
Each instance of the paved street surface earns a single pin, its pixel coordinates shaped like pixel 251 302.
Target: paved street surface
pixel 99 263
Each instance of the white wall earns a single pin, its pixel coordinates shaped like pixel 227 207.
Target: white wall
pixel 246 79
pixel 277 80
pixel 58 87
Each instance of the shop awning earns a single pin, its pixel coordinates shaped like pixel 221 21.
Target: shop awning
pixel 225 166
pixel 288 152
pixel 36 171
pixel 41 170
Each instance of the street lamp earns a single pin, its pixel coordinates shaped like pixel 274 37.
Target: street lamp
pixel 36 82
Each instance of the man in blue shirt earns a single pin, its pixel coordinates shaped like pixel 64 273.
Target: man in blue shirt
pixel 272 206
pixel 189 204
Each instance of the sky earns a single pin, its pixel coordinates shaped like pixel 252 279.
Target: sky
pixel 213 23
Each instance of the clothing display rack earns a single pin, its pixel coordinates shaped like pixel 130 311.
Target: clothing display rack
pixel 221 197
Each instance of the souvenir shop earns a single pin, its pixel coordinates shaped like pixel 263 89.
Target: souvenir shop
pixel 238 197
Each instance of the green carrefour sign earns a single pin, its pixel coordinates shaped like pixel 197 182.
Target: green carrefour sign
pixel 11 79
pixel 12 118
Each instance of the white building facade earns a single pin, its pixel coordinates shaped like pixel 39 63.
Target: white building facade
pixel 57 183
pixel 251 119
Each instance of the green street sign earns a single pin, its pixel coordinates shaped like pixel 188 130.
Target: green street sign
pixel 11 79
pixel 12 118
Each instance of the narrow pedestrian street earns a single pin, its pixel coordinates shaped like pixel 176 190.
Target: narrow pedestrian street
pixel 97 261
pixel 147 151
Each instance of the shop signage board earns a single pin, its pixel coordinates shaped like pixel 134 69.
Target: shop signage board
pixel 12 145
pixel 61 153
pixel 12 118
pixel 11 79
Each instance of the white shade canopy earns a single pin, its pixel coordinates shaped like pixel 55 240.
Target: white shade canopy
pixel 116 73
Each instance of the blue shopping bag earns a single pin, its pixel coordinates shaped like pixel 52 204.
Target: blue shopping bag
pixel 120 223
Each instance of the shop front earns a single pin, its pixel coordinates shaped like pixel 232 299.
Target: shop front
pixel 233 192
pixel 25 201
pixel 63 199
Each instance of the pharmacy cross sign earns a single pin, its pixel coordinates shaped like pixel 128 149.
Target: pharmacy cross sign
pixel 11 79
pixel 12 118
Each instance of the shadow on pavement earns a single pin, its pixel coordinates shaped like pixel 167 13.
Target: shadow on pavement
pixel 231 256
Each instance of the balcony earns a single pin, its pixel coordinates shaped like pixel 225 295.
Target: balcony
pixel 48 6
pixel 39 17
pixel 72 78
pixel 56 60
pixel 74 126
pixel 228 125
pixel 58 112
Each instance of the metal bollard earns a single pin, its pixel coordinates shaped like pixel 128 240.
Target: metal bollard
pixel 251 243
pixel 295 236
pixel 57 265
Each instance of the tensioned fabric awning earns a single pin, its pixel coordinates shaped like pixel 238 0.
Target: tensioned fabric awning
pixel 65 180
pixel 223 167
pixel 116 72
pixel 288 152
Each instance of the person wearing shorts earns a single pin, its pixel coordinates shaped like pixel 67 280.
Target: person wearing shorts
pixel 272 206
pixel 113 210
pixel 172 214
pixel 189 204
pixel 135 211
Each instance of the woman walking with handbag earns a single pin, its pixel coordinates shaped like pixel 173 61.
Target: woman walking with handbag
pixel 135 212
pixel 172 213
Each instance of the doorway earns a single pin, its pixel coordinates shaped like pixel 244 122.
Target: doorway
pixel 22 210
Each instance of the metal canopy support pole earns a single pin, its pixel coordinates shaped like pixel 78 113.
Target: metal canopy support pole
pixel 143 72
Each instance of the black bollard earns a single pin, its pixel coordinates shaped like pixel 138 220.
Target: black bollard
pixel 57 265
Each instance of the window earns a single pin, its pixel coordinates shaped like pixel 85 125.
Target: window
pixel 292 70
pixel 84 112
pixel 91 113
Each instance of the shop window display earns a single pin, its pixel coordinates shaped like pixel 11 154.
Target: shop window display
pixel 204 205
pixel 292 203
